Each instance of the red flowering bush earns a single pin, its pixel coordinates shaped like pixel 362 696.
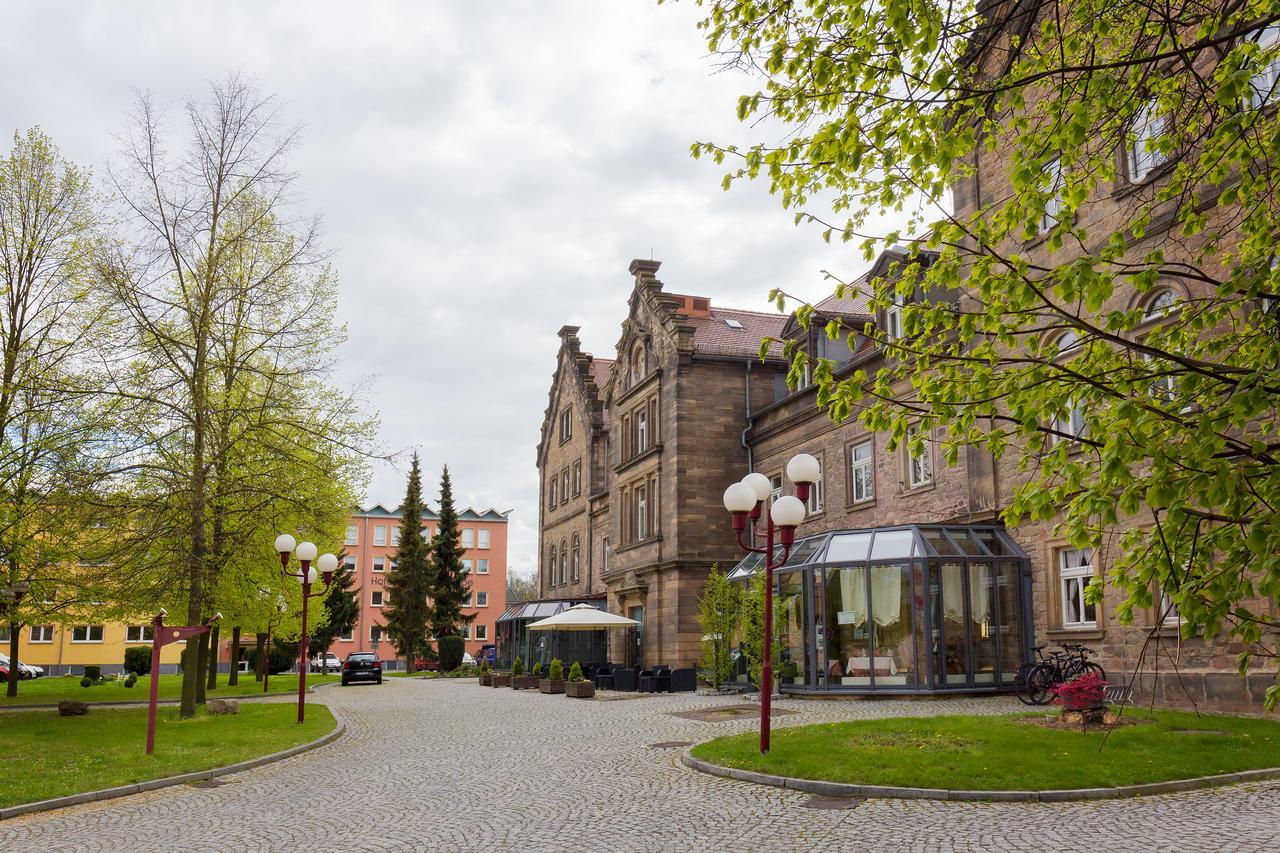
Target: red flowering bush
pixel 1080 693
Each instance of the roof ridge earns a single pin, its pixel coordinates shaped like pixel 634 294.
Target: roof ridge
pixel 778 314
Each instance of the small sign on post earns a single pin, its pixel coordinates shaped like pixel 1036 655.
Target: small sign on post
pixel 161 636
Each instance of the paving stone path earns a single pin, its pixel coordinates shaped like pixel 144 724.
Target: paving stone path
pixel 451 766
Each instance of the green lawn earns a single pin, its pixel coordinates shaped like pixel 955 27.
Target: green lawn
pixel 1006 752
pixel 46 755
pixel 53 688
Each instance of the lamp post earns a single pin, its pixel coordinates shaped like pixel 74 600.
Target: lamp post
pixel 161 636
pixel 746 499
pixel 328 563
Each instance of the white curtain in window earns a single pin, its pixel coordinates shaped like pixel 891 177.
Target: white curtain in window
pixel 886 594
pixel 853 597
pixel 980 591
pixel 953 591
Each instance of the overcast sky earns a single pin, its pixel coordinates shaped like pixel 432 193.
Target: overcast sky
pixel 485 171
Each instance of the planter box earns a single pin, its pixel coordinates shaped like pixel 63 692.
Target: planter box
pixel 579 689
pixel 524 682
pixel 486 680
pixel 501 681
pixel 548 685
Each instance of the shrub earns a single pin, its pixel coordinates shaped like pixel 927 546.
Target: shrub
pixel 131 679
pixel 517 668
pixel 484 667
pixel 86 681
pixel 451 650
pixel 1081 693
pixel 137 659
pixel 93 672
pixel 537 669
pixel 280 658
pixel 575 672
pixel 557 670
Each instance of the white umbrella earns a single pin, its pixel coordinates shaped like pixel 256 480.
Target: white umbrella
pixel 582 617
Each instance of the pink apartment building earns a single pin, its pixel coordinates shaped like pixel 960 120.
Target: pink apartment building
pixel 373 535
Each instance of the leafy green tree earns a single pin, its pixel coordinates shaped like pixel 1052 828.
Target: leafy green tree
pixel 1099 153
pixel 719 616
pixel 409 613
pixel 342 604
pixel 450 588
pixel 753 629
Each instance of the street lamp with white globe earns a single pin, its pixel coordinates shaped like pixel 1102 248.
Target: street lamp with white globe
pixel 745 500
pixel 306 552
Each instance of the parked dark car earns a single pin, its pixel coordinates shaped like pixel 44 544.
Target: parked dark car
pixel 361 666
pixel 488 653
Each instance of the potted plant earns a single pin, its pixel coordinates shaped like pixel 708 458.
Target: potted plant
pixel 577 686
pixel 1081 699
pixel 520 681
pixel 486 677
pixel 504 679
pixel 790 673
pixel 554 682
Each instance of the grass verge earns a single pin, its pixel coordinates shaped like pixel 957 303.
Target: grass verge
pixel 50 690
pixel 47 756
pixel 1006 753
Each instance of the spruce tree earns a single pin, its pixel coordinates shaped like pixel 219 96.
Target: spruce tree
pixel 343 607
pixel 409 613
pixel 451 587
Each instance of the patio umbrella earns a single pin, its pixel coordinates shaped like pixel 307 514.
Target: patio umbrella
pixel 582 617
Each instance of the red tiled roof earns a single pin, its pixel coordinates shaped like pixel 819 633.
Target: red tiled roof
pixel 856 301
pixel 600 371
pixel 712 336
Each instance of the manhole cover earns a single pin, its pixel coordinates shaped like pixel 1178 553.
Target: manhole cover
pixel 832 803
pixel 207 783
pixel 671 744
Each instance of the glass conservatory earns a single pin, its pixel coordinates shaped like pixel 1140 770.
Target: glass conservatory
pixel 913 609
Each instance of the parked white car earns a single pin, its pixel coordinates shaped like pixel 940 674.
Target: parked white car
pixel 318 663
pixel 25 670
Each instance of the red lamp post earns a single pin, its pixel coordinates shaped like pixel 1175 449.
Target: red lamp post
pixel 746 499
pixel 161 636
pixel 328 563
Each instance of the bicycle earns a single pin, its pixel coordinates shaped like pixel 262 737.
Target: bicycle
pixel 1035 680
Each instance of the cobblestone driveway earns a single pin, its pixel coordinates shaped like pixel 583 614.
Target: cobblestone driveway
pixel 435 765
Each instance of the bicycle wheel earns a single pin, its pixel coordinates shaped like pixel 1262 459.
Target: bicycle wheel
pixel 1091 667
pixel 1020 681
pixel 1040 682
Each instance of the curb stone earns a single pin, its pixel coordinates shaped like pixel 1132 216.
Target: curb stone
pixel 162 703
pixel 846 789
pixel 182 779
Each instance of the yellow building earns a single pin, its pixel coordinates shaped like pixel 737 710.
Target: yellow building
pixel 63 649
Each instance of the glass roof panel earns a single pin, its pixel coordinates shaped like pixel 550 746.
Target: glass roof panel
pixel 968 542
pixel 847 546
pixel 750 565
pixel 937 538
pixel 803 551
pixel 893 543
pixel 994 542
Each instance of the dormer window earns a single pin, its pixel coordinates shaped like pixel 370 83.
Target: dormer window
pixel 733 324
pixel 893 319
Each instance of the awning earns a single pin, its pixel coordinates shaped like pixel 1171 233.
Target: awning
pixel 583 617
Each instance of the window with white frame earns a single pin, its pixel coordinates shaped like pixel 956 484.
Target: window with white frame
pixel 86 634
pixel 1067 342
pixel 1075 570
pixel 395 536
pixel 347 636
pixel 482 632
pixel 1069 425
pixel 466 602
pixel 466 567
pixel 576 558
pixel 482 537
pixel 468 537
pixel 1168 612
pixel 482 566
pixel 564 486
pixel 775 488
pixel 555 490
pixel 379 534
pixel 1144 133
pixel 1160 304
pixel 1164 381
pixel 1263 85
pixel 379 564
pixel 139 634
pixel 862 476
pixel 352 534
pixel 349 563
pixel 466 632
pixel 375 598
pixel 1054 186
pixel 41 634
pixel 604 562
pixel 551 566
pixel 893 319
pixel 642 431
pixel 482 599
pixel 566 424
pixel 375 633
pixel 577 480
pixel 391 565
pixel 815 495
pixel 919 463
pixel 642 512
pixel 564 561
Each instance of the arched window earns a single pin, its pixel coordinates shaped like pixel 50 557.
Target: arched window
pixel 1067 342
pixel 551 566
pixel 564 561
pixel 576 552
pixel 1160 303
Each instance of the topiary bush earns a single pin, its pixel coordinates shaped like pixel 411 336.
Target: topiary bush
pixel 137 659
pixel 131 679
pixel 86 681
pixel 93 672
pixel 575 672
pixel 517 668
pixel 484 667
pixel 556 672
pixel 451 650
pixel 537 669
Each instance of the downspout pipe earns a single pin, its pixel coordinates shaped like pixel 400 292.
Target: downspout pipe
pixel 746 387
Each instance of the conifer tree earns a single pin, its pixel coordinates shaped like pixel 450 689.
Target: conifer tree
pixel 343 606
pixel 451 587
pixel 409 614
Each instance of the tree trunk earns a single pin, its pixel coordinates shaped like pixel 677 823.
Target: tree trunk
pixel 212 683
pixel 11 688
pixel 233 673
pixel 202 661
pixel 259 657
